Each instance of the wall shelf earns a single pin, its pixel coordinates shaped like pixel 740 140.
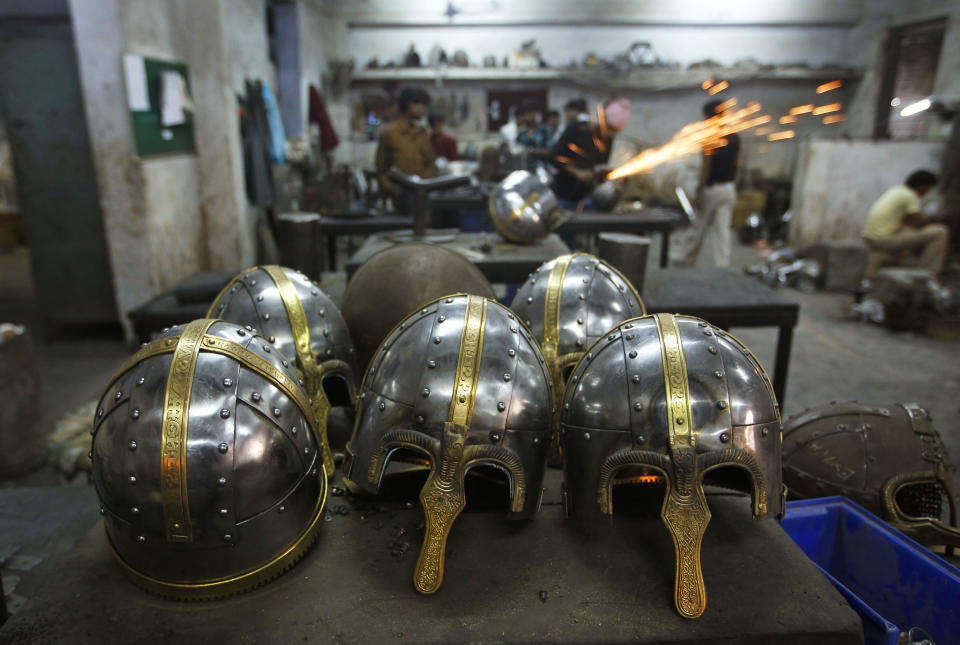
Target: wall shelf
pixel 650 80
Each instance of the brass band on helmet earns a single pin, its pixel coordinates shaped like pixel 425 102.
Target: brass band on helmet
pixel 310 370
pixel 194 340
pixel 698 429
pixel 456 434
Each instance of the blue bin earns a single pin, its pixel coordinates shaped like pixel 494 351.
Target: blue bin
pixel 893 582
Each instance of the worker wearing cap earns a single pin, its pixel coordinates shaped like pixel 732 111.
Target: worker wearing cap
pixel 582 147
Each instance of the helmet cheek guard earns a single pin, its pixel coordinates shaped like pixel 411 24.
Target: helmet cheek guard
pixel 694 406
pixel 462 383
pixel 303 324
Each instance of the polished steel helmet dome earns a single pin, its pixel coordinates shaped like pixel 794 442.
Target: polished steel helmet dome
pixel 462 382
pixel 207 462
pixel 675 399
pixel 569 303
pixel 302 323
pixel 524 209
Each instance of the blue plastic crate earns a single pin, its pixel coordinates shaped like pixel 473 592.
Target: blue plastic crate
pixel 893 582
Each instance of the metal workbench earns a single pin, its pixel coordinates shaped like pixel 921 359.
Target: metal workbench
pixel 537 581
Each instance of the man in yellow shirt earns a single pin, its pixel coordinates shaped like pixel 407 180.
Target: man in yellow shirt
pixel 405 144
pixel 895 228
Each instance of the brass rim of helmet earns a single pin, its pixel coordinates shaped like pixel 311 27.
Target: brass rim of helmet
pixel 232 585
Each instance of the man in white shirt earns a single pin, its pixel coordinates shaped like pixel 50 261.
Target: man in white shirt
pixel 895 228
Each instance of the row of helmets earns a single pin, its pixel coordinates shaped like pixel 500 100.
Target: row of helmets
pixel 210 450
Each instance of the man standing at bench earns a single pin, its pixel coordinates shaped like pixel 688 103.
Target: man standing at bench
pixel 405 144
pixel 895 228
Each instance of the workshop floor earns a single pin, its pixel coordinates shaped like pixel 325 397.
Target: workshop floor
pixel 833 359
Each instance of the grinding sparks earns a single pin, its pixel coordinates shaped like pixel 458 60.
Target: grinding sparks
pixel 834 118
pixel 719 87
pixel 707 84
pixel 787 119
pixel 827 87
pixel 826 109
pixel 780 136
pixel 801 109
pixel 704 136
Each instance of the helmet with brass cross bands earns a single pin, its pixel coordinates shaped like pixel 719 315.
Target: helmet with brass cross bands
pixel 303 324
pixel 524 209
pixel 886 457
pixel 670 398
pixel 461 382
pixel 207 462
pixel 569 303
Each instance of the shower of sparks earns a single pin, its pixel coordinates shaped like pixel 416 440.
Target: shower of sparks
pixel 707 84
pixel 834 118
pixel 704 136
pixel 826 87
pixel 764 131
pixel 826 109
pixel 719 87
pixel 801 109
pixel 787 119
pixel 780 136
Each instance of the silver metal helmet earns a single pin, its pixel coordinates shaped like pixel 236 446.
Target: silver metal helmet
pixel 207 462
pixel 569 303
pixel 674 400
pixel 524 209
pixel 462 382
pixel 304 324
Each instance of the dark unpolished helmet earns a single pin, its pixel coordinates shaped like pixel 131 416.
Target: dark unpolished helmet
pixel 886 457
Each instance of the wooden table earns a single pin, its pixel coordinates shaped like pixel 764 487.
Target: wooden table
pixel 500 261
pixel 727 298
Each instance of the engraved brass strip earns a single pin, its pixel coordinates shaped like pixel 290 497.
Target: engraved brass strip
pixel 468 362
pixel 685 512
pixel 551 345
pixel 263 367
pixel 173 454
pixel 679 416
pixel 443 498
pixel 305 357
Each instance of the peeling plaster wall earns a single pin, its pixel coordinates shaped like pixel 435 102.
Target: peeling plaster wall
pixel 837 181
pixel 169 217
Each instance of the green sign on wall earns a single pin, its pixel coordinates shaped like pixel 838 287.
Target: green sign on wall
pixel 144 77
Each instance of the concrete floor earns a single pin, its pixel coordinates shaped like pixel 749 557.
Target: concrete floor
pixel 833 358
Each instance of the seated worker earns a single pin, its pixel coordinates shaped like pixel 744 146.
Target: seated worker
pixel 443 144
pixel 533 137
pixel 405 144
pixel 895 228
pixel 582 147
